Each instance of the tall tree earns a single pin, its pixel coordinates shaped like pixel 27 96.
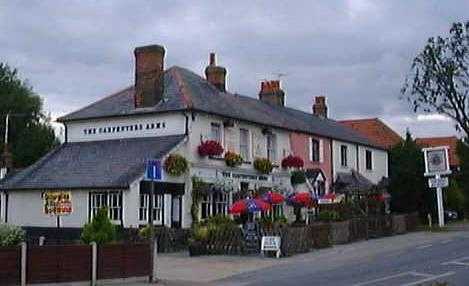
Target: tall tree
pixel 407 184
pixel 463 174
pixel 30 133
pixel 439 78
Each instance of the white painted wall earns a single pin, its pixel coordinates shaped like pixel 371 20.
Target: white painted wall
pixel 380 164
pixel 380 161
pixel 97 129
pixel 2 207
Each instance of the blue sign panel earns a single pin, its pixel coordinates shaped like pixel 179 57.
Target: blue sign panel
pixel 153 170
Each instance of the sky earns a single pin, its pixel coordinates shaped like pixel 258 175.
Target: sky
pixel 357 53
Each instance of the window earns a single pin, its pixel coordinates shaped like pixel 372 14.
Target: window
pixel 343 155
pixel 271 147
pixel 214 204
pixel 215 132
pixel 315 150
pixel 157 207
pixel 244 144
pixel 111 200
pixel 369 160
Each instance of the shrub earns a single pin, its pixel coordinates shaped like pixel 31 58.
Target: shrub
pixel 147 232
pixel 210 148
pixel 329 216
pixel 263 165
pixel 100 230
pixel 233 160
pixel 292 162
pixel 211 227
pixel 297 178
pixel 10 235
pixel 175 165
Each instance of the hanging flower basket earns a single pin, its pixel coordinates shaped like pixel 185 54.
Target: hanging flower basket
pixel 233 160
pixel 292 162
pixel 263 165
pixel 210 148
pixel 175 165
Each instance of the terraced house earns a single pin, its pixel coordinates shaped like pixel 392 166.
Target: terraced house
pixel 177 116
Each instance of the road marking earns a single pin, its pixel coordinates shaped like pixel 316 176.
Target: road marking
pixel 446 241
pixel 384 278
pixel 459 261
pixel 420 274
pixel 424 246
pixel 433 277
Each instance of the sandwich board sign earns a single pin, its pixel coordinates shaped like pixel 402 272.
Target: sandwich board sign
pixel 271 243
pixel 437 165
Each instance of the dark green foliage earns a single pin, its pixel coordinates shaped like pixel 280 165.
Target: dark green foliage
pixel 30 133
pixel 439 79
pixel 297 177
pixel 100 230
pixel 463 174
pixel 454 198
pixel 407 184
pixel 329 216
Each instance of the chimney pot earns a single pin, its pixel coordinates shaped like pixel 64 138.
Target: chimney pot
pixel 149 73
pixel 216 75
pixel 271 93
pixel 320 106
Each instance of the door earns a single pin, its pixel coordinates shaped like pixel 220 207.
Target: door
pixel 176 211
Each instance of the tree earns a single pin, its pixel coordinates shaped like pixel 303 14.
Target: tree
pixel 407 184
pixel 100 230
pixel 30 133
pixel 439 78
pixel 462 150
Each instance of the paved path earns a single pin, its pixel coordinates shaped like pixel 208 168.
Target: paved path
pixel 397 260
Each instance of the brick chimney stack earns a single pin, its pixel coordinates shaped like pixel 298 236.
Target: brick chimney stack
pixel 271 93
pixel 320 107
pixel 149 75
pixel 216 75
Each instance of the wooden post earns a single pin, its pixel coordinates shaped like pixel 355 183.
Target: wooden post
pixel 24 249
pixel 94 263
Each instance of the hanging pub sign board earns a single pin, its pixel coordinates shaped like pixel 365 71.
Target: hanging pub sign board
pixel 271 243
pixel 153 170
pixel 57 203
pixel 436 161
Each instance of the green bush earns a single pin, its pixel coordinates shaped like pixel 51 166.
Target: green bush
pixel 211 227
pixel 100 230
pixel 297 177
pixel 329 216
pixel 454 196
pixel 10 235
pixel 147 232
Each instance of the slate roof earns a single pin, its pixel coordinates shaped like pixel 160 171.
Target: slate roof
pixel 96 164
pixel 450 141
pixel 375 130
pixel 352 182
pixel 185 90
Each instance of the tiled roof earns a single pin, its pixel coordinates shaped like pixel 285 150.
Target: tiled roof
pixel 96 164
pixel 375 130
pixel 185 90
pixel 450 141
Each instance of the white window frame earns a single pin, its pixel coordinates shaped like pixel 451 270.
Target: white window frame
pixel 371 160
pixel 271 147
pixel 143 208
pixel 157 207
pixel 246 146
pixel 219 139
pixel 107 199
pixel 213 206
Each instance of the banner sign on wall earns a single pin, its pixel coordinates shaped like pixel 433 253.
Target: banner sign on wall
pixel 58 203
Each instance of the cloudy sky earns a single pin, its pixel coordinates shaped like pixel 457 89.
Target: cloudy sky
pixel 357 53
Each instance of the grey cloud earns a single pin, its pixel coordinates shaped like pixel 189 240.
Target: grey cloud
pixel 357 53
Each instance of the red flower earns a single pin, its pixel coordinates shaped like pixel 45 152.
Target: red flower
pixel 292 162
pixel 210 148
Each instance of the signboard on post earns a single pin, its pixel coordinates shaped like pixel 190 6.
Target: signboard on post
pixel 271 243
pixel 58 203
pixel 437 164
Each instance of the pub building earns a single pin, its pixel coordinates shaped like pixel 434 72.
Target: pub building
pixel 166 112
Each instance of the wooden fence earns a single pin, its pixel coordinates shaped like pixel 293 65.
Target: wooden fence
pixel 10 265
pixel 74 263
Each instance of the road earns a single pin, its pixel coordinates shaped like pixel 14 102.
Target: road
pixel 412 259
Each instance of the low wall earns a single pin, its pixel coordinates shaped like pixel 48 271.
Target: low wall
pixel 10 265
pixel 340 232
pixel 358 229
pixel 399 224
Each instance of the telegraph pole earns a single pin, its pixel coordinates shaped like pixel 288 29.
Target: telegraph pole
pixel 4 169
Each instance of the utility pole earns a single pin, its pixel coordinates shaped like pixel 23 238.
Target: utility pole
pixel 5 157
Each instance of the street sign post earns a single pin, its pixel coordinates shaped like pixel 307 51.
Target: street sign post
pixel 437 164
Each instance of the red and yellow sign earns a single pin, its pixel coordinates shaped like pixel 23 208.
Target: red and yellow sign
pixel 57 203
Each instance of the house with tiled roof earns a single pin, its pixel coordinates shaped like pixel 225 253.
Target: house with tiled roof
pixel 375 130
pixel 449 141
pixel 174 111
